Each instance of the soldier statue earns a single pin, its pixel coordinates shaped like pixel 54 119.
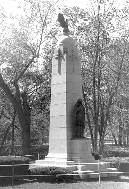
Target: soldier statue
pixel 78 120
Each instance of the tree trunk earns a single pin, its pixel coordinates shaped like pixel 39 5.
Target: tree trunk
pixel 120 136
pixel 25 132
pixel 114 137
pixel 13 139
pixel 127 139
pixel 96 137
pixel 24 117
pixel 102 135
pixel 101 145
pixel 124 137
pixel 22 108
pixel 26 140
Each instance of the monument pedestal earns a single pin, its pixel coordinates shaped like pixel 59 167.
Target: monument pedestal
pixel 81 154
pixel 81 151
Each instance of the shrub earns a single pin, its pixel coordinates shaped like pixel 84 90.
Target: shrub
pixel 42 150
pixel 54 173
pixel 50 170
pixel 115 151
pixel 11 160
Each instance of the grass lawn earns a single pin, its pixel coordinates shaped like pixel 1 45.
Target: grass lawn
pixel 79 185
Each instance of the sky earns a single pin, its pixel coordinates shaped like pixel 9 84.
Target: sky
pixel 11 6
pixel 87 3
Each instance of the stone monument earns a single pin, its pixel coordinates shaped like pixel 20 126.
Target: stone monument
pixel 67 113
pixel 66 89
pixel 67 144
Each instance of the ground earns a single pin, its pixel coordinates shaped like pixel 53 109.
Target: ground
pixel 121 182
pixel 80 185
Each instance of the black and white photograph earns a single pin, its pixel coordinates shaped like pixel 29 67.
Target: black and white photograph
pixel 64 94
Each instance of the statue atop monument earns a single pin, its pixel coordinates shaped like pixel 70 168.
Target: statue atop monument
pixel 63 23
pixel 79 119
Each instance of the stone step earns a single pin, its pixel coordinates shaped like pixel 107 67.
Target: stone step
pixel 54 162
pixel 86 171
pixel 47 163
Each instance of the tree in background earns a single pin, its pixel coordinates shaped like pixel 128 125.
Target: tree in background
pixel 26 57
pixel 104 61
pixel 18 53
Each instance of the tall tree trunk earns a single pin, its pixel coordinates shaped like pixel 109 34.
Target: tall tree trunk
pixel 120 136
pixel 21 107
pixel 23 112
pixel 96 136
pixel 124 137
pixel 114 137
pixel 26 127
pixel 13 139
pixel 101 145
pixel 127 139
pixel 25 131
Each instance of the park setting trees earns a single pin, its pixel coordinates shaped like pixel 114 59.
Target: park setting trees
pixel 104 61
pixel 19 52
pixel 26 56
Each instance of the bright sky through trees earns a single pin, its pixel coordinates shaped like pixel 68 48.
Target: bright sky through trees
pixel 13 6
pixel 86 3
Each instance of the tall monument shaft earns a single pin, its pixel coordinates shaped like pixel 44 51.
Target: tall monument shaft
pixel 67 113
pixel 66 89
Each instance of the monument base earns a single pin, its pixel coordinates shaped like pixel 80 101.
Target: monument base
pixel 82 163
pixel 56 160
pixel 80 157
pixel 50 161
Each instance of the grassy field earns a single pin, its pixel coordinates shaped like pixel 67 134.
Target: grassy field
pixel 80 185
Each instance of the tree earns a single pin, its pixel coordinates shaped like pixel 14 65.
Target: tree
pixel 18 53
pixel 104 61
pixel 120 120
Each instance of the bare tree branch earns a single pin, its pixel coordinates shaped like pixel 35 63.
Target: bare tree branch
pixel 24 70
